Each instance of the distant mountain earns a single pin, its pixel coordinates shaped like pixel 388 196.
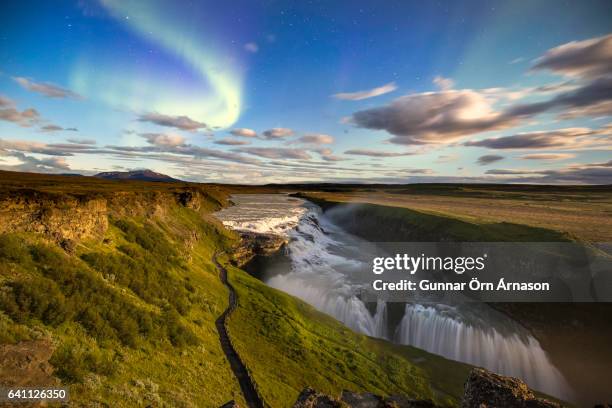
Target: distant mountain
pixel 142 175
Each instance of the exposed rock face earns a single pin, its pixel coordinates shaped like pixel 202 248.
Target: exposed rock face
pixel 26 364
pixel 484 389
pixel 253 243
pixel 60 217
pixel 67 217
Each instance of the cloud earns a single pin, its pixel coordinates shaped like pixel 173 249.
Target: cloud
pixel 243 132
pixel 82 141
pixel 46 89
pixel 231 142
pixel 328 155
pixel 561 138
pixel 591 99
pixel 6 102
pixel 447 115
pixel 34 147
pixel 251 47
pixel 508 172
pixel 433 117
pixel 25 118
pixel 32 164
pixel 277 133
pixel 418 171
pixel 179 122
pixel 488 159
pixel 444 84
pixel 164 139
pixel 594 173
pixel 276 152
pixel 590 58
pixel 548 156
pixel 315 138
pixel 370 93
pixel 376 153
pixel 187 150
pixel 56 128
pixel 604 164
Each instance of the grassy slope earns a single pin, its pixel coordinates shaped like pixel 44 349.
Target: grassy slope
pixel 404 224
pixel 288 345
pixel 117 336
pixel 157 367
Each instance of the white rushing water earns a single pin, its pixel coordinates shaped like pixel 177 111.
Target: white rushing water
pixel 323 257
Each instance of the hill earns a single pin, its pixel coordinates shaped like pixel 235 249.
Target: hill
pixel 140 175
pixel 110 288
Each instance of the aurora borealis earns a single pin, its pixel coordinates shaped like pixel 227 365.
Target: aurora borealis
pixel 275 91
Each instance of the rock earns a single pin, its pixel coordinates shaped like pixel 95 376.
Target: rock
pixel 364 400
pixel 484 389
pixel 309 398
pixel 254 243
pixel 26 364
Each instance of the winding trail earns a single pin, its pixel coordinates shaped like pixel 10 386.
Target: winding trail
pixel 240 371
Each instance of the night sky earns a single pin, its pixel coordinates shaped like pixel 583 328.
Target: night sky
pixel 285 91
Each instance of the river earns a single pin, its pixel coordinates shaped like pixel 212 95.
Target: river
pixel 317 268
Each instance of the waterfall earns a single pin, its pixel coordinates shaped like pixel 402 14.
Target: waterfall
pixel 323 257
pixel 515 354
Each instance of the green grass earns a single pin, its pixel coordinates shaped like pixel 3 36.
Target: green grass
pixel 405 225
pixel 131 316
pixel 288 345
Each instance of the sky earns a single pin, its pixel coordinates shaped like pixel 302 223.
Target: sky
pixel 270 91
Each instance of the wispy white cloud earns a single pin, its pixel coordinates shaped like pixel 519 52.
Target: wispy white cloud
pixel 47 89
pixel 232 142
pixel 376 153
pixel 370 93
pixel 548 156
pixel 275 152
pixel 243 132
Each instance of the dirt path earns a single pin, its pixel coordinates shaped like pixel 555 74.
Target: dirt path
pixel 246 384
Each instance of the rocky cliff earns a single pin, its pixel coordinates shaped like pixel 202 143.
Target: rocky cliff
pixel 66 217
pixel 253 244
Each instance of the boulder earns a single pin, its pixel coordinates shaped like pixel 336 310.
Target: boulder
pixel 484 389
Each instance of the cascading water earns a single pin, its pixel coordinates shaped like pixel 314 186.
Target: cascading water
pixel 323 257
pixel 442 330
